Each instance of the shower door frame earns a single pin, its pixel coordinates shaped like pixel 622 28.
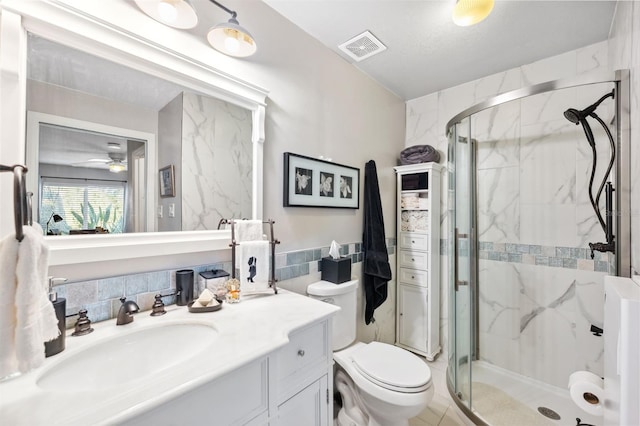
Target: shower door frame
pixel 621 80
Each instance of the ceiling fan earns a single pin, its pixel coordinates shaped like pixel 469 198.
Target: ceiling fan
pixel 116 162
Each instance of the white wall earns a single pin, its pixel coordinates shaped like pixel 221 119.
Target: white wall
pixel 56 100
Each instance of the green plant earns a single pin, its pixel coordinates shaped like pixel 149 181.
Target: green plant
pixel 104 219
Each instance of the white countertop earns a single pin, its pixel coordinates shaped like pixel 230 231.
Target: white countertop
pixel 257 326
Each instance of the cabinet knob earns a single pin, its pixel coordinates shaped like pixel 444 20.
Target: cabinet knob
pixel 412 277
pixel 412 259
pixel 413 242
pixel 301 352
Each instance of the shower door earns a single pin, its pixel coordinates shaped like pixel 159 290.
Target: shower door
pixel 525 292
pixel 462 265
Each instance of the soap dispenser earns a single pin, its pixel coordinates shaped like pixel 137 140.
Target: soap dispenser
pixel 56 345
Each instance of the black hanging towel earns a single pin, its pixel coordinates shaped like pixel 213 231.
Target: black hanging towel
pixel 376 269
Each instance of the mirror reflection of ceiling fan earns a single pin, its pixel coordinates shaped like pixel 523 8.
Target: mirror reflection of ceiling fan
pixel 115 162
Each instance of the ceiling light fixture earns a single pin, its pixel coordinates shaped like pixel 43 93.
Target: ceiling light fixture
pixel 174 13
pixel 116 166
pixel 114 146
pixel 229 38
pixel 470 12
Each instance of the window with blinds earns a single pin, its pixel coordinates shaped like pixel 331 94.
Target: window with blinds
pixel 83 204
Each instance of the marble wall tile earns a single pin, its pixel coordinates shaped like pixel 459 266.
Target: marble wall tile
pixel 624 44
pixel 553 68
pixel 591 58
pixel 492 85
pixel 217 162
pixel 547 163
pixel 590 310
pixel 549 106
pixel 422 121
pixel 497 131
pixel 499 204
pixel 499 288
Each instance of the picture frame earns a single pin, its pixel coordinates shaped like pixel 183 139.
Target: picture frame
pixel 167 181
pixel 310 182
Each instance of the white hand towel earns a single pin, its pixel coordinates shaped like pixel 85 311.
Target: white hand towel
pixel 248 230
pixel 31 320
pixel 8 262
pixel 253 262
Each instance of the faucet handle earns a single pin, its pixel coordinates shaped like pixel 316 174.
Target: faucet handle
pixel 158 306
pixel 83 325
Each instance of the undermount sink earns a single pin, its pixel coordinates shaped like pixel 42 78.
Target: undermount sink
pixel 129 357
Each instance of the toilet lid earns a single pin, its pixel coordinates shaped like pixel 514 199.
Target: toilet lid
pixel 392 367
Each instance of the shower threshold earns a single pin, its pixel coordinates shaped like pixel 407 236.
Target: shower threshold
pixel 521 399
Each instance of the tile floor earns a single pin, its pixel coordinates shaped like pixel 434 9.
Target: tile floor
pixel 442 411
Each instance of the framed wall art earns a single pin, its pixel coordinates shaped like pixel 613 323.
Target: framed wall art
pixel 167 182
pixel 309 182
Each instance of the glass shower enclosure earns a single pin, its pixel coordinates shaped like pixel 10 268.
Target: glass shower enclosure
pixel 524 288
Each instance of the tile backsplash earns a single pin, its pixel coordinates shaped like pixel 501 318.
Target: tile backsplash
pixel 101 298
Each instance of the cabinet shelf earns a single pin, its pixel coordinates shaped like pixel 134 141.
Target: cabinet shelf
pixel 415 191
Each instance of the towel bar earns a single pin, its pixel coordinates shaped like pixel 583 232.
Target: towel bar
pixel 272 242
pixel 21 205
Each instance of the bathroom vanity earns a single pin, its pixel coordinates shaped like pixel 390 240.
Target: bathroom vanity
pixel 266 360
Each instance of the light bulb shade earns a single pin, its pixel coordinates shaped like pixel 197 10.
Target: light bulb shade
pixel 232 39
pixel 470 12
pixel 174 13
pixel 117 167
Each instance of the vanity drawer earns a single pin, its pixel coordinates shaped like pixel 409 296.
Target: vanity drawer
pixel 414 259
pixel 414 276
pixel 305 356
pixel 411 240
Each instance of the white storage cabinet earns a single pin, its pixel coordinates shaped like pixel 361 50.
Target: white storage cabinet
pixel 418 258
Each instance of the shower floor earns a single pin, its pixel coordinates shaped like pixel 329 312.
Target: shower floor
pixel 504 398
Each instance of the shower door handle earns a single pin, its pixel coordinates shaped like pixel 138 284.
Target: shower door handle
pixel 457 283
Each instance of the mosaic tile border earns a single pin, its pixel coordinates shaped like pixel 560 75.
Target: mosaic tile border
pixel 298 263
pixel 535 254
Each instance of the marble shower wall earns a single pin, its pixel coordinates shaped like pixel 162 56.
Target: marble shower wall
pixel 217 155
pixel 624 53
pixel 533 168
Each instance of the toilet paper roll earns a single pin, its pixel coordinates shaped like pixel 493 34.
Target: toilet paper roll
pixel 587 392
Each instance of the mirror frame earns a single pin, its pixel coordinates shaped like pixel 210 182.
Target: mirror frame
pixel 75 27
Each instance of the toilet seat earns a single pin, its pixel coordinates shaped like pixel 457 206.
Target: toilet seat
pixel 392 368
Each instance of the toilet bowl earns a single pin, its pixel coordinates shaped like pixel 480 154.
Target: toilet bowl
pixel 392 384
pixel 380 384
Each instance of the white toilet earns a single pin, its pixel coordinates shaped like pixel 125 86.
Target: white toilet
pixel 380 384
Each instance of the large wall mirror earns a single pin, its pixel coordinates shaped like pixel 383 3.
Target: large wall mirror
pixel 101 137
pixel 135 148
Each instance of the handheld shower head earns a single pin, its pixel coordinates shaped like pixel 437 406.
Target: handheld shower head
pixel 575 116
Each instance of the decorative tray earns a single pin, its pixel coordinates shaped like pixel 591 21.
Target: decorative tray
pixel 213 308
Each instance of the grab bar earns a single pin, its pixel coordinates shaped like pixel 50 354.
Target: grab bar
pixel 20 203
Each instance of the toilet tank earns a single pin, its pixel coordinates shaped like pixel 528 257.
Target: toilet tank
pixel 344 296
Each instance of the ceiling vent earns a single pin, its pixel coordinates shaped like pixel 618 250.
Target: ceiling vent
pixel 362 46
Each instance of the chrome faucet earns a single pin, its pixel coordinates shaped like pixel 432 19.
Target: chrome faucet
pixel 124 314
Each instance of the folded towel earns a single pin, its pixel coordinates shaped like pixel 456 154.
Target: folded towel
pixel 252 259
pixel 248 230
pixel 30 319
